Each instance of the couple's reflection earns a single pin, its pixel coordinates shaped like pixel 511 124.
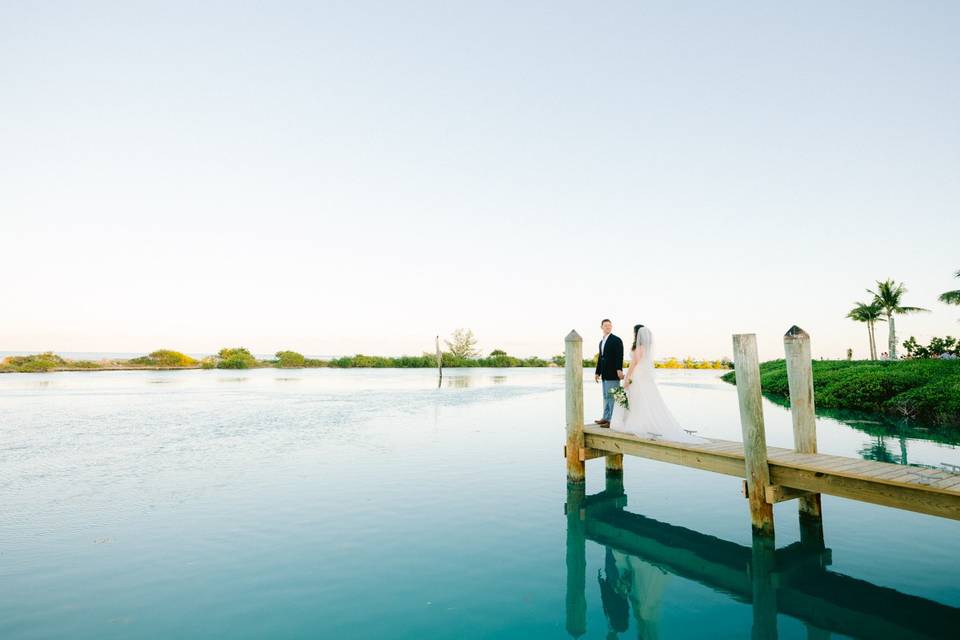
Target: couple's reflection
pixel 642 556
pixel 627 584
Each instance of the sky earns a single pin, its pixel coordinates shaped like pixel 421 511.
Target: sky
pixel 358 177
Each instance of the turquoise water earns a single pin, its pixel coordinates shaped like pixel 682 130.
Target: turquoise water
pixel 370 504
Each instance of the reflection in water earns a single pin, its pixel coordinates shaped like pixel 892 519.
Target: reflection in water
pixel 641 554
pixel 498 379
pixel 632 585
pixel 458 382
pixel 881 427
pixel 876 449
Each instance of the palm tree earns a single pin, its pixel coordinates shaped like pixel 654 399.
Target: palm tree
pixel 888 297
pixel 870 314
pixel 951 297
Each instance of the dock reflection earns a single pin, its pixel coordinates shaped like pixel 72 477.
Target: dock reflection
pixel 642 555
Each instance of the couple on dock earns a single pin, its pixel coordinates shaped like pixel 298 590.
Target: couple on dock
pixel 645 413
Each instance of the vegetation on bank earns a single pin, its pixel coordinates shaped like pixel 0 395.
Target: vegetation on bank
pixel 690 363
pixel 241 358
pixel 922 389
pixel 947 348
pixel 164 358
pixel 34 363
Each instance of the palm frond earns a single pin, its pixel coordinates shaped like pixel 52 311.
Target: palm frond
pixel 866 312
pixel 951 297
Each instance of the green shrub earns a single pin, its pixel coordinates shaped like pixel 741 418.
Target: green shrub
pixel 84 364
pixel 938 401
pixel 937 347
pixel 164 358
pixel 34 363
pixel 290 360
pixel 236 358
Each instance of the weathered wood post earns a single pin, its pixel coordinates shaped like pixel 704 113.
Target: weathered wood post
pixel 576 601
pixel 796 344
pixel 747 367
pixel 573 355
pixel 615 465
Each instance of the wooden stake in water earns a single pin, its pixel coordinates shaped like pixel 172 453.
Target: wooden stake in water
pixel 573 354
pixel 757 473
pixel 796 344
pixel 439 364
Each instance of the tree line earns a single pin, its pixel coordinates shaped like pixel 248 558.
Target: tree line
pixel 886 304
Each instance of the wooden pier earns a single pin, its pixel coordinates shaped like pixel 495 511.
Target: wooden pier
pixel 793 581
pixel 770 474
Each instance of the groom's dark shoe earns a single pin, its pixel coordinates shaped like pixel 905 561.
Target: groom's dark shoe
pixel 602 422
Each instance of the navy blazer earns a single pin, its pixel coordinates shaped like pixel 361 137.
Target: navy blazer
pixel 611 361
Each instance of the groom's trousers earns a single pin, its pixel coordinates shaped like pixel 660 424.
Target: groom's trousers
pixel 607 398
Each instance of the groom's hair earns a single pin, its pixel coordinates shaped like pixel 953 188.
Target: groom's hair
pixel 605 320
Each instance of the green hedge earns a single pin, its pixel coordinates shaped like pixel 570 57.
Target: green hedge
pixel 925 389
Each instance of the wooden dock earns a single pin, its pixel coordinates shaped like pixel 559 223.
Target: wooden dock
pixel 770 474
pixel 793 581
pixel 931 491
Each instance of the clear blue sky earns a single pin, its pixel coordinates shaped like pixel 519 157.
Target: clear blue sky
pixel 352 176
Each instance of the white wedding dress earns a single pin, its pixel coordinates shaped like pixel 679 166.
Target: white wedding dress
pixel 648 416
pixel 646 583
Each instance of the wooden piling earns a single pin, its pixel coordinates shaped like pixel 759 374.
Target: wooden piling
pixel 757 472
pixel 574 387
pixel 439 364
pixel 796 344
pixel 615 465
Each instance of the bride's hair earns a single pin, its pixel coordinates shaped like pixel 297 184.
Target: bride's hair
pixel 636 328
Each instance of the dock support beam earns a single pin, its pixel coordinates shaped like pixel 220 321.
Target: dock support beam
pixel 796 344
pixel 757 473
pixel 615 465
pixel 573 355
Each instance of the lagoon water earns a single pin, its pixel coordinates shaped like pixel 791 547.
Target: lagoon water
pixel 371 504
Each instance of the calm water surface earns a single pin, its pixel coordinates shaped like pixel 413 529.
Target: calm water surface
pixel 370 504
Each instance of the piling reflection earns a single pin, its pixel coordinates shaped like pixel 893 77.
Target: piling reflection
pixel 642 555
pixel 458 382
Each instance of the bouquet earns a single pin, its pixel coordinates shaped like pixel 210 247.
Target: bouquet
pixel 620 397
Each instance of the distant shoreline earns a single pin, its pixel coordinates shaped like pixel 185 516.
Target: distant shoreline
pixel 240 358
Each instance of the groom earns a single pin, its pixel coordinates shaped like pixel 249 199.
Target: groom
pixel 609 368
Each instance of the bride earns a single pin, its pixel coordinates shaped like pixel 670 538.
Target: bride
pixel 648 415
